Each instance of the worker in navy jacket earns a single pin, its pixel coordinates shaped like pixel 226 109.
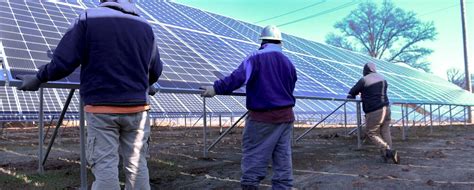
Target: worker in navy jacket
pixel 270 79
pixel 119 62
pixel 373 90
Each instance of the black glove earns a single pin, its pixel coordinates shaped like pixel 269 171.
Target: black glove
pixel 29 82
pixel 152 90
pixel 350 97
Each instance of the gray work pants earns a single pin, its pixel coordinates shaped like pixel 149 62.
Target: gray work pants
pixel 262 142
pixel 378 128
pixel 112 135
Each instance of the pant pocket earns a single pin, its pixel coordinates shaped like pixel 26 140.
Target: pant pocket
pixel 90 151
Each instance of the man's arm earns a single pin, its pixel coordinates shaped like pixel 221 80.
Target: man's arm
pixel 156 66
pixel 356 89
pixel 68 54
pixel 235 80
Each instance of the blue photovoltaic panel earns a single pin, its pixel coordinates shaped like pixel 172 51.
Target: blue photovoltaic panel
pixel 165 13
pixel 213 49
pixel 245 31
pixel 31 31
pixel 183 68
pixel 212 24
pixel 197 47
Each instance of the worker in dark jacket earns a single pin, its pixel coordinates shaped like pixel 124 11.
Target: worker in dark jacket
pixel 119 62
pixel 373 88
pixel 270 79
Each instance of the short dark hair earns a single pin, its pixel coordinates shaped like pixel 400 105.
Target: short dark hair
pixel 270 41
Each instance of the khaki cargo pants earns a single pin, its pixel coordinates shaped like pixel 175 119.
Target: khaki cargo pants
pixel 112 135
pixel 378 127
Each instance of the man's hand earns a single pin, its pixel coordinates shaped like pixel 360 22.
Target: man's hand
pixel 152 90
pixel 350 97
pixel 208 91
pixel 29 82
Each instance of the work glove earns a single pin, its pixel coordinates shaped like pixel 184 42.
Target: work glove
pixel 208 91
pixel 152 90
pixel 29 82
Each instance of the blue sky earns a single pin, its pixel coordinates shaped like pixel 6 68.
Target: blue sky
pixel 448 49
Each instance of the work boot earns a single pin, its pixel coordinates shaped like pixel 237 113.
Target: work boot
pixel 393 154
pixel 249 187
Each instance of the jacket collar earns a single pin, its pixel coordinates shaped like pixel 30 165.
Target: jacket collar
pixel 124 7
pixel 272 47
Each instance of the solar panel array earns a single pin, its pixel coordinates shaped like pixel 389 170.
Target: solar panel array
pixel 197 47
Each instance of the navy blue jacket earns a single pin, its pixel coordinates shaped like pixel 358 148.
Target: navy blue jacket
pixel 117 53
pixel 270 79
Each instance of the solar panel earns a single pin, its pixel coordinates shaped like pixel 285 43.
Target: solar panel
pixel 198 47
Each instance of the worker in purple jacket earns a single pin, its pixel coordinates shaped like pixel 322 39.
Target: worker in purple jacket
pixel 119 61
pixel 270 79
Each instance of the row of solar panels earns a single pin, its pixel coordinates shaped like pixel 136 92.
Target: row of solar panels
pixel 197 47
pixel 13 102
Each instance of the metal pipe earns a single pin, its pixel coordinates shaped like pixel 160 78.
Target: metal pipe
pixel 322 120
pixel 439 115
pixel 467 73
pixel 403 123
pixel 226 132
pixel 82 144
pixel 465 116
pixel 345 116
pixel 41 132
pixel 450 116
pixel 204 110
pixel 198 120
pixel 431 120
pixel 359 127
pixel 60 121
pixel 220 124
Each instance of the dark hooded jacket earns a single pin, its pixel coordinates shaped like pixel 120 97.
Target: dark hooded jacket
pixel 373 89
pixel 117 53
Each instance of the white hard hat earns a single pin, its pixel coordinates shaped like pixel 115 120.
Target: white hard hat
pixel 270 32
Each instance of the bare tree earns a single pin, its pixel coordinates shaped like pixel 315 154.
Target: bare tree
pixel 385 32
pixel 456 77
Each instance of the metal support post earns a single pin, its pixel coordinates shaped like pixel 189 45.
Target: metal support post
pixel 321 121
pixel 431 119
pixel 465 116
pixel 226 132
pixel 439 115
pixel 403 122
pixel 450 117
pixel 424 114
pixel 345 116
pixel 359 126
pixel 204 110
pixel 41 131
pixel 220 124
pixel 185 121
pixel 83 145
pixel 60 121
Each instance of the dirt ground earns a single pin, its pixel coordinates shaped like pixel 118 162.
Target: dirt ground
pixel 321 160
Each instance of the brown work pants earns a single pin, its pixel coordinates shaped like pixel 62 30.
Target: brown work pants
pixel 378 127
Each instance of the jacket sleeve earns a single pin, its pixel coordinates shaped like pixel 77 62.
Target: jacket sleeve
pixel 156 66
pixel 356 89
pixel 235 80
pixel 68 54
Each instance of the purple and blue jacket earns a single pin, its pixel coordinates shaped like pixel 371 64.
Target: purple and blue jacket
pixel 269 76
pixel 117 53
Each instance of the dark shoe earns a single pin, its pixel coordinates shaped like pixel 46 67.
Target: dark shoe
pixel 393 154
pixel 249 187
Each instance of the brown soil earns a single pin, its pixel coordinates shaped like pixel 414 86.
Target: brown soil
pixel 325 159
